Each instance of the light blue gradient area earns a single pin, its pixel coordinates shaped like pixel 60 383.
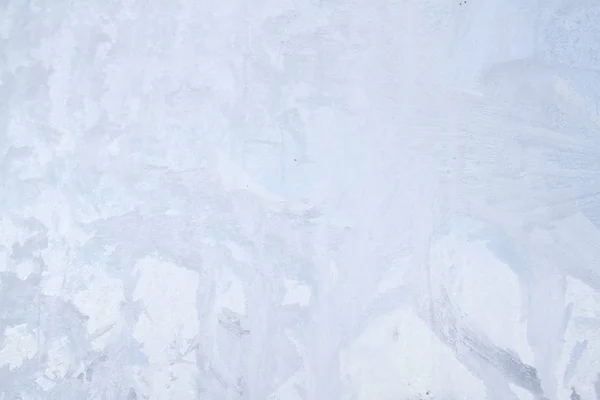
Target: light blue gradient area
pixel 287 200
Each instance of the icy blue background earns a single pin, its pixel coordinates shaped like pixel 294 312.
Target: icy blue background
pixel 291 200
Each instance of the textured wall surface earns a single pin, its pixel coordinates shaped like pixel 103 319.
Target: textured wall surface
pixel 299 200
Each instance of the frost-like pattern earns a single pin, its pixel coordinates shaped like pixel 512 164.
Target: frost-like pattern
pixel 284 200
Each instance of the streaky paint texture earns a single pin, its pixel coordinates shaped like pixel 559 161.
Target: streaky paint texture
pixel 283 200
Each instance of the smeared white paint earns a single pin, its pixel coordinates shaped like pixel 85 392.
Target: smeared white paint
pixel 288 391
pixel 237 252
pixel 168 322
pixel 399 357
pixel 296 293
pixel 166 328
pixel 19 344
pixel 45 383
pixel 4 259
pixel 521 393
pixel 101 301
pixel 9 232
pixel 583 325
pixel 59 359
pixel 394 278
pixel 299 200
pixel 58 269
pixel 484 290
pixel 231 294
pixel 25 268
pixel 175 381
pixel 234 177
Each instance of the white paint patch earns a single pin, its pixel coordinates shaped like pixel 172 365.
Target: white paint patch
pixel 59 267
pixel 101 301
pixel 25 268
pixel 9 233
pixel 393 278
pixel 166 382
pixel 45 383
pixel 580 370
pixel 321 140
pixel 4 259
pixel 398 357
pixel 296 293
pixel 231 295
pixel 59 359
pixel 288 390
pixel 521 393
pixel 237 252
pixel 472 276
pixel 169 321
pixel 18 345
pixel 234 177
pixel 52 203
